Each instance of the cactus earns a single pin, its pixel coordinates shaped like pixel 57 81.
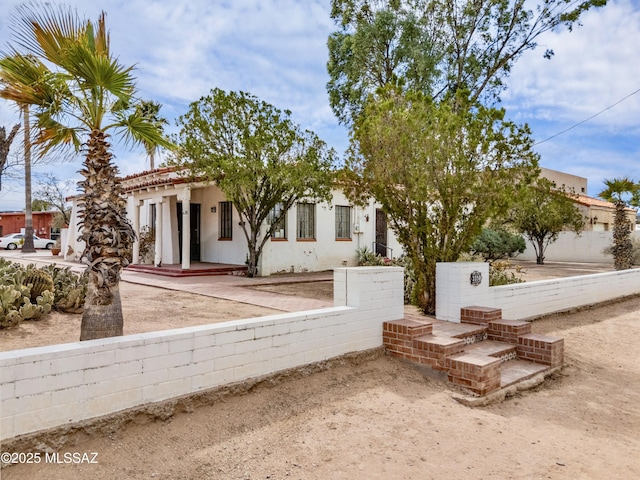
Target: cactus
pixel 29 311
pixel 40 282
pixel 30 293
pixel 10 301
pixel 70 288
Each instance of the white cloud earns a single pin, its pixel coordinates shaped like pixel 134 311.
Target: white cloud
pixel 594 66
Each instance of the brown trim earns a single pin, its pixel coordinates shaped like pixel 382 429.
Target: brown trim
pixel 344 240
pixel 279 239
pixel 305 239
pixel 225 239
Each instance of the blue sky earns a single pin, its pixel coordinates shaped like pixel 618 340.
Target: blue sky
pixel 276 50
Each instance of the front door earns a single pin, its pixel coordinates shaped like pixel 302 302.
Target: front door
pixel 381 233
pixel 194 216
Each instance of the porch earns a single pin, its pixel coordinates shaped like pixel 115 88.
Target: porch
pixel 195 269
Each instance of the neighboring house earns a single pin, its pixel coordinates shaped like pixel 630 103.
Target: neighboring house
pixel 14 222
pixel 313 237
pixel 598 213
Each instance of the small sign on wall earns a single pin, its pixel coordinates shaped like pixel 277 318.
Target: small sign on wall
pixel 476 278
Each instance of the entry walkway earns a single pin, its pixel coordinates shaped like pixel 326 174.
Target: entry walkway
pixel 227 287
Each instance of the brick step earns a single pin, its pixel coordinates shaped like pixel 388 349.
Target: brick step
pixel 518 370
pixel 477 373
pixel 491 348
pixel 507 330
pixel 481 357
pixel 434 349
pixel 467 332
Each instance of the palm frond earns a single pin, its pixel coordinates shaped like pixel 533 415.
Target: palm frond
pixel 138 130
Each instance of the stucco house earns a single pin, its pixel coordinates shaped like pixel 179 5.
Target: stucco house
pixel 193 222
pixel 598 214
pixel 313 237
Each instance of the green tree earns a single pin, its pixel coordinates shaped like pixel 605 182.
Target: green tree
pixel 257 156
pixel 84 94
pixel 623 193
pixel 150 111
pixel 39 205
pixel 5 145
pixel 440 173
pixel 436 47
pixel 542 212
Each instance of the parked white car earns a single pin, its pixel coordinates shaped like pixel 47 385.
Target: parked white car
pixel 15 240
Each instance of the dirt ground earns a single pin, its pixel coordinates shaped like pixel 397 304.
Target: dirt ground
pixel 378 417
pixel 145 309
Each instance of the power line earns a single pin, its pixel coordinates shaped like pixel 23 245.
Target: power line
pixel 586 120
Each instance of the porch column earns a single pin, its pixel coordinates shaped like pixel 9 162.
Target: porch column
pixel 136 228
pixel 186 229
pixel 157 261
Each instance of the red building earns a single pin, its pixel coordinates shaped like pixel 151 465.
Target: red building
pixel 13 222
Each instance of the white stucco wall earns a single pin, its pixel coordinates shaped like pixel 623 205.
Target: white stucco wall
pixel 47 387
pixel 586 248
pixel 526 300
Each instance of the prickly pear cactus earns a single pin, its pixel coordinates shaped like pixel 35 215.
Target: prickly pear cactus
pixel 70 288
pixel 10 301
pixel 40 282
pixel 29 311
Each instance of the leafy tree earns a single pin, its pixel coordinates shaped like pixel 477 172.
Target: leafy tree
pixel 257 156
pixel 5 145
pixel 622 192
pixel 496 244
pixel 39 205
pixel 84 93
pixel 437 47
pixel 150 111
pixel 542 212
pixel 440 172
pixel 55 192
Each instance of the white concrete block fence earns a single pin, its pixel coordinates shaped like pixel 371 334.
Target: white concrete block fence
pixel 523 301
pixel 47 387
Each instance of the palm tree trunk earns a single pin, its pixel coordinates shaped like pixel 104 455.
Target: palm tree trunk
pixel 27 246
pixel 109 239
pixel 101 321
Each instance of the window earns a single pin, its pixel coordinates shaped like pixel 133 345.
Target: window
pixel 226 221
pixel 153 214
pixel 280 226
pixel 306 221
pixel 54 233
pixel 343 223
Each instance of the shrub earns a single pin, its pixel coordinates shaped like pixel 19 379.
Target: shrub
pixel 367 258
pixel 497 244
pixel 500 274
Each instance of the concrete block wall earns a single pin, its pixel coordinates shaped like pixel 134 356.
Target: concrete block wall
pixel 46 387
pixel 526 300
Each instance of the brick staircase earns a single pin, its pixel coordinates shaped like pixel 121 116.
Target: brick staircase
pixel 482 354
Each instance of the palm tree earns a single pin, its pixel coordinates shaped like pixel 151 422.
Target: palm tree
pixel 150 110
pixel 85 95
pixel 5 145
pixel 622 192
pixel 21 77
